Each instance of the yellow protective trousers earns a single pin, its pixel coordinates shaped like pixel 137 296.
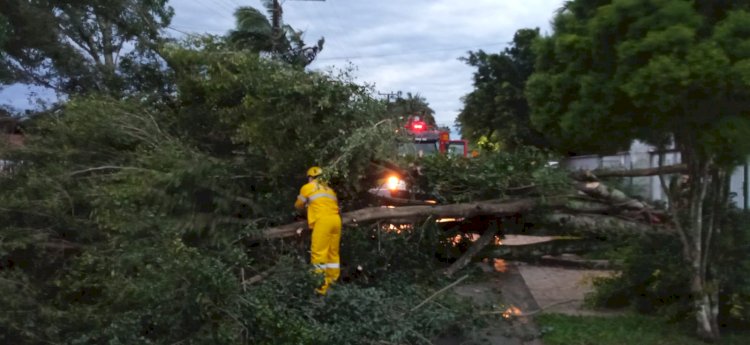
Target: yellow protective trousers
pixel 324 250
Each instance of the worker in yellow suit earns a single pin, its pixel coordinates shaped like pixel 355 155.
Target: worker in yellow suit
pixel 324 220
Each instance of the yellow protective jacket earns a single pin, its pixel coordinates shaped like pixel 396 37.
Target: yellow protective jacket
pixel 320 199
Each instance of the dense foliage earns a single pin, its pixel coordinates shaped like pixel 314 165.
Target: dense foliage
pixel 652 279
pixel 5 74
pixel 131 215
pixel 673 73
pixel 647 69
pixel 497 111
pixel 412 104
pixel 254 32
pixel 123 220
pixel 76 47
pixel 491 176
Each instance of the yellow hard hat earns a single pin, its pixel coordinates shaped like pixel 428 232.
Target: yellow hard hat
pixel 314 172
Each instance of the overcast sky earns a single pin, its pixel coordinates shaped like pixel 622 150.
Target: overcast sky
pixel 397 45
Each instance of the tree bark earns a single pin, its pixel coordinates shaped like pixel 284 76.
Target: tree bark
pixel 689 204
pixel 613 196
pixel 700 234
pixel 664 170
pixel 475 248
pixel 588 224
pixel 539 249
pixel 601 225
pixel 410 212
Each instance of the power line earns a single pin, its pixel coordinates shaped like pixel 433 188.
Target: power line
pixel 199 30
pixel 231 6
pixel 180 31
pixel 426 51
pixel 212 8
pixel 223 5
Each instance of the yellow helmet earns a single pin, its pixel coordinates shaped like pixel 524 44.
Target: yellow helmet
pixel 314 172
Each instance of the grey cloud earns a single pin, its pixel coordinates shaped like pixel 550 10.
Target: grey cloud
pixel 412 46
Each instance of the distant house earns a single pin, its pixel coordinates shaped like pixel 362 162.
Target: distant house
pixel 9 129
pixel 641 155
pixel 12 139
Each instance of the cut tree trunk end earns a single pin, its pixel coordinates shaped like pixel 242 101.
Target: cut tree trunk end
pixel 535 251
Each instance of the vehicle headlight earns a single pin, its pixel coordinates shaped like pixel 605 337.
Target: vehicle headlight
pixel 392 182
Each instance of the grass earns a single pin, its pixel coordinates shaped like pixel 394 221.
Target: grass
pixel 620 330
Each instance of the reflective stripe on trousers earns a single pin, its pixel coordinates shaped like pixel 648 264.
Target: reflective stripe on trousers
pixel 324 249
pixel 326 266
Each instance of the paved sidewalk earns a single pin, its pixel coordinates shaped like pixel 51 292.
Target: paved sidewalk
pixel 554 288
pixel 513 289
pixel 503 290
pixel 560 289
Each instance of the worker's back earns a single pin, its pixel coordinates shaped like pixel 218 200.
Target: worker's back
pixel 321 201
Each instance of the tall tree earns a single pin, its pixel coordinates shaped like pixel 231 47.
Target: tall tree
pixel 253 31
pixel 157 271
pixel 5 75
pixel 497 108
pixel 412 104
pixel 670 72
pixel 75 47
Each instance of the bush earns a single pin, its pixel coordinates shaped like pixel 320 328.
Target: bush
pixel 732 265
pixel 491 175
pixel 653 277
pixel 122 222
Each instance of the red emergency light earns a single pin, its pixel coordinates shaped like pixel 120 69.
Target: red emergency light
pixel 418 126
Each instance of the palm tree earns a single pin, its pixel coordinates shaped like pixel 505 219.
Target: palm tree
pixel 253 31
pixel 413 104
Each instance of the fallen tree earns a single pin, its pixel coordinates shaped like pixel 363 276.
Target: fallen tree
pixel 643 172
pixel 591 210
pixel 464 210
pixel 600 206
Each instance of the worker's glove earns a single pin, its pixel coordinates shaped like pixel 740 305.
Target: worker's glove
pixel 299 216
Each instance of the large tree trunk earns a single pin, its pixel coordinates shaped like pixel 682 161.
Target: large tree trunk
pixel 599 225
pixel 466 210
pixel 694 202
pixel 669 169
pixel 536 250
pixel 700 232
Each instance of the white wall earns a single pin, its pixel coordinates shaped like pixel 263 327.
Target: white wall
pixel 641 156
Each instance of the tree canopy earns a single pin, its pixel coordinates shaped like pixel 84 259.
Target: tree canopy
pixel 5 74
pixel 412 104
pixel 254 32
pixel 497 109
pixel 653 70
pixel 674 73
pixel 76 47
pixel 154 204
pixel 145 205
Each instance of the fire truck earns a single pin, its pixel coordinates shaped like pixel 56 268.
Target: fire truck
pixel 425 139
pixel 428 140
